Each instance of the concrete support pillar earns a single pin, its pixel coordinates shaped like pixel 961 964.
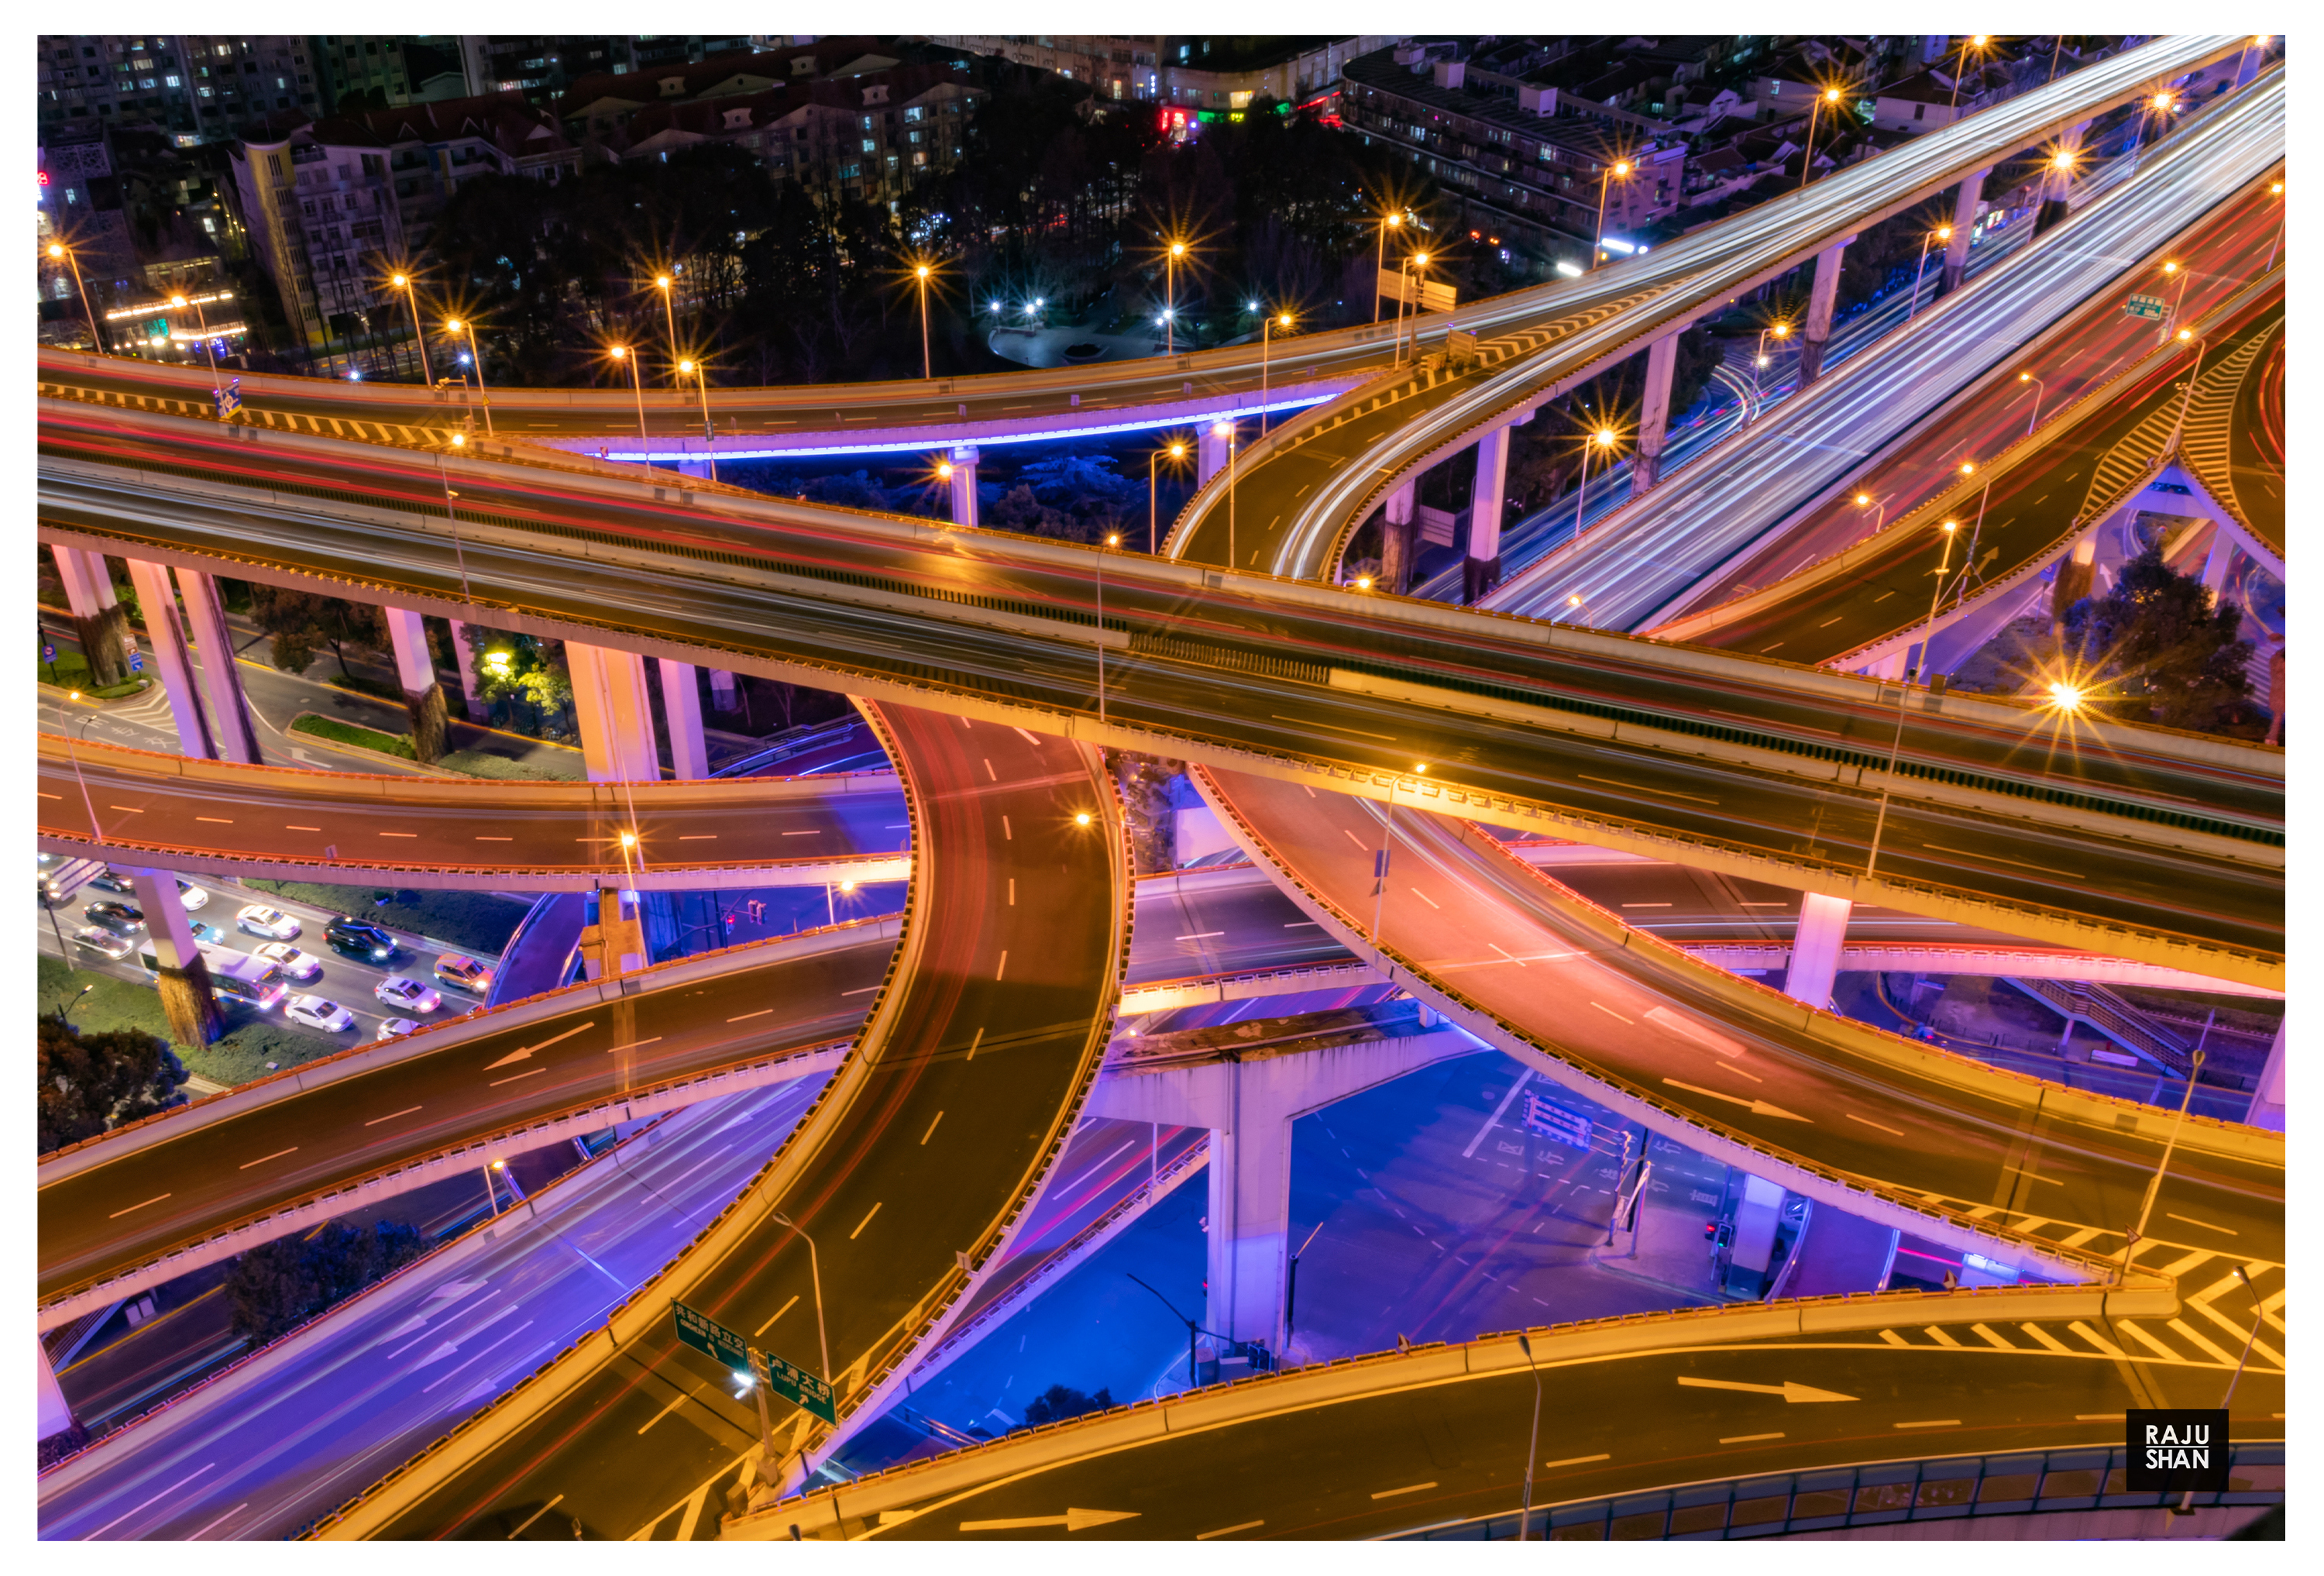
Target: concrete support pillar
pixel 54 1413
pixel 185 982
pixel 681 711
pixel 1249 1108
pixel 1891 666
pixel 616 720
pixel 415 669
pixel 963 485
pixel 1486 499
pixel 1815 949
pixel 1210 453
pixel 613 942
pixel 464 652
pixel 229 713
pixel 2075 573
pixel 100 622
pixel 158 600
pixel 1398 539
pixel 2253 60
pixel 1965 203
pixel 1654 416
pixel 722 691
pixel 2267 1098
pixel 2221 553
pixel 1822 294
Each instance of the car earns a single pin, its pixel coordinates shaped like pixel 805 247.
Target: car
pixel 215 934
pixel 114 881
pixel 358 938
pixel 295 964
pixel 119 918
pixel 464 973
pixel 261 920
pixel 394 1029
pixel 319 1012
pixel 103 942
pixel 190 895
pixel 411 995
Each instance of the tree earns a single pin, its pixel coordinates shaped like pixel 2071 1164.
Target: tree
pixel 301 621
pixel 91 1082
pixel 278 1286
pixel 1059 1402
pixel 2159 648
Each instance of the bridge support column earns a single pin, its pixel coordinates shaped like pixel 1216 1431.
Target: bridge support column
pixel 609 700
pixel 1815 949
pixel 1210 452
pixel 185 979
pixel 2076 571
pixel 2267 1098
pixel 1965 202
pixel 2249 68
pixel 681 710
pixel 54 1411
pixel 963 485
pixel 1654 417
pixel 1398 539
pixel 2216 559
pixel 158 600
pixel 415 669
pixel 722 691
pixel 1248 1107
pixel 100 622
pixel 1488 499
pixel 465 654
pixel 1822 295
pixel 229 713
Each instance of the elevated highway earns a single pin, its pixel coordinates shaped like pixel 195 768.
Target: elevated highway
pixel 1621 742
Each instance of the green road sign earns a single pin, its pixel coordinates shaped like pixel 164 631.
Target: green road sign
pixel 794 1384
pixel 710 1337
pixel 159 329
pixel 2149 307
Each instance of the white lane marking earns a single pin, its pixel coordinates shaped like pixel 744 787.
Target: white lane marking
pixel 1006 834
pixel 866 990
pixel 398 835
pixel 262 1159
pixel 522 1053
pixel 1576 1460
pixel 1997 859
pixel 863 1222
pixel 779 1313
pixel 1432 903
pixel 972 1044
pixel 2206 1225
pixel 682 1399
pixel 503 840
pixel 1931 1423
pixel 1408 1488
pixel 1610 1012
pixel 1004 964
pixel 1494 1121
pixel 133 1208
pixel 1238 1526
pixel 1505 952
pixel 762 1012
pixel 530 1073
pixel 1202 934
pixel 536 1515
pixel 302 828
pixel 195 1536
pixel 390 1116
pixel 511 1336
pixel 932 1129
pixel 633 1045
pixel 987 770
pixel 1747 1438
pixel 214 820
pixel 140 1504
pixel 1868 1122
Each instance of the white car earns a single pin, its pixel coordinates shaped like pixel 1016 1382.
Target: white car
pixel 190 895
pixel 295 964
pixel 394 1029
pixel 319 1012
pixel 395 991
pixel 259 920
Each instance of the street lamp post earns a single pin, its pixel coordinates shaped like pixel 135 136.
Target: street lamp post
pixel 2027 377
pixel 1618 171
pixel 2186 1505
pixel 1759 360
pixel 96 335
pixel 1418 263
pixel 1807 159
pixel 1880 507
pixel 476 357
pixel 1170 297
pixel 86 804
pixel 2170 267
pixel 701 377
pixel 2154 1183
pixel 1533 1441
pixel 814 1278
pixel 2154 108
pixel 1941 233
pixel 2194 376
pixel 663 282
pixel 1226 429
pixel 218 389
pixel 638 383
pixel 1895 745
pixel 1602 439
pixel 921 273
pixel 1388 834
pixel 1380 257
pixel 1113 539
pixel 459 553
pixel 1177 451
pixel 1265 330
pixel 1976 42
pixel 404 282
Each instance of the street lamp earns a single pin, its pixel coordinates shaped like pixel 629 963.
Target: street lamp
pixel 1176 451
pixel 2154 1183
pixel 2171 268
pixel 921 273
pixel 1170 297
pixel 1807 159
pixel 2259 1314
pixel 1380 257
pixel 1113 539
pixel 1976 42
pixel 1618 171
pixel 1941 233
pixel 1896 744
pixel 1880 506
pixel 202 320
pixel 2027 377
pixel 1418 263
pixel 663 284
pixel 1380 861
pixel 2275 189
pixel 404 282
pixel 56 250
pixel 1226 429
pixel 701 377
pixel 1265 330
pixel 1759 360
pixel 86 804
pixel 475 358
pixel 815 1275
pixel 459 553
pixel 1532 1440
pixel 2154 108
pixel 1602 439
pixel 637 381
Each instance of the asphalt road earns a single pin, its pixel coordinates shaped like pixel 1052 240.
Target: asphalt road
pixel 1894 424
pixel 967 1096
pixel 487 834
pixel 1472 920
pixel 1222 684
pixel 2256 448
pixel 2028 512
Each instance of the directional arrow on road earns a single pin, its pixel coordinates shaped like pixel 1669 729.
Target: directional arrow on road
pixel 1071 1521
pixel 1758 1107
pixel 1787 1390
pixel 521 1055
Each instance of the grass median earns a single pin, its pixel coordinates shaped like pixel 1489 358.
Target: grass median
pixel 473 922
pixel 250 1043
pixel 362 738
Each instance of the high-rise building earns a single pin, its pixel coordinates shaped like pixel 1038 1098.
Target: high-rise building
pixel 199 87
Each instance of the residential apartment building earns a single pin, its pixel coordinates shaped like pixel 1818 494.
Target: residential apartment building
pixel 199 87
pixel 1200 71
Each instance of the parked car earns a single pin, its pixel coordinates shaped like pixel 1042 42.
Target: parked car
pixel 395 991
pixel 103 942
pixel 120 918
pixel 319 1012
pixel 394 1029
pixel 273 922
pixel 357 938
pixel 295 964
pixel 464 974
